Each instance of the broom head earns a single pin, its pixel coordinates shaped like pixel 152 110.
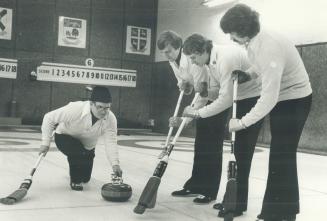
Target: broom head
pixel 148 196
pixel 14 197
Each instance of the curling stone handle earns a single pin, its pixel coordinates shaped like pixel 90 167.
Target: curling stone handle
pixel 116 180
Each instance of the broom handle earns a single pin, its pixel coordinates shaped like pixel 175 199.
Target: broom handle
pixel 37 163
pixel 235 84
pixel 175 115
pixel 196 96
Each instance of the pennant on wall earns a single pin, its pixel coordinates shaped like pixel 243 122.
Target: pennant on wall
pixel 138 40
pixel 5 23
pixel 72 32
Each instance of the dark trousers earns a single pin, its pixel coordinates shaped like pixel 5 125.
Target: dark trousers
pixel 207 162
pixel 80 160
pixel 245 141
pixel 287 120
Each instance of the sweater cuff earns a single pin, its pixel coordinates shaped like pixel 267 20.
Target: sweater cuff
pixel 115 162
pixel 202 113
pixel 46 142
pixel 245 122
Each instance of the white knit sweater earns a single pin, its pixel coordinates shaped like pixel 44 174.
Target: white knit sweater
pixel 75 119
pixel 282 71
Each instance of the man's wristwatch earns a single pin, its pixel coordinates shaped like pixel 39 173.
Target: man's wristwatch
pixel 197 115
pixel 242 124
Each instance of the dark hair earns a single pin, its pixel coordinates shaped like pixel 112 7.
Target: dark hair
pixel 169 38
pixel 196 44
pixel 242 20
pixel 101 94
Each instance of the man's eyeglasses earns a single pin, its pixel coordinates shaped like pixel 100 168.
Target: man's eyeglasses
pixel 101 107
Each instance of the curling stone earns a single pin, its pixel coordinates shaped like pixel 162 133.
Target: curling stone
pixel 116 191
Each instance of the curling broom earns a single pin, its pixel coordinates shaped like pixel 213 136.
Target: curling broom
pixel 21 192
pixel 164 151
pixel 149 194
pixel 229 202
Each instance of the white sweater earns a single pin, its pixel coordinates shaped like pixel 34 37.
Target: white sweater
pixel 186 71
pixel 194 74
pixel 223 61
pixel 75 119
pixel 282 71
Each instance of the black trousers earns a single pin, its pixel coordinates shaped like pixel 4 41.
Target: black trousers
pixel 80 160
pixel 245 141
pixel 207 164
pixel 287 120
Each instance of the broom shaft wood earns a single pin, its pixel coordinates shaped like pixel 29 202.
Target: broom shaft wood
pixel 180 128
pixel 196 96
pixel 37 163
pixel 235 85
pixel 175 115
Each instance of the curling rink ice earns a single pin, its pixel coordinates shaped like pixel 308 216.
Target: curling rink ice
pixel 50 197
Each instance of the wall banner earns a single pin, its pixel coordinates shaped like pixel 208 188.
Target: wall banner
pixel 138 40
pixel 86 75
pixel 5 23
pixel 8 68
pixel 72 32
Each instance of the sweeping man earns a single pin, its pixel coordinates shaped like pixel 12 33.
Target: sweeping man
pixel 77 127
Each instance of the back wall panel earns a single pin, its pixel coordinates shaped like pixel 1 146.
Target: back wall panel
pixel 35 40
pixel 315 130
pixel 35 26
pixel 106 33
pixel 135 102
pixel 33 97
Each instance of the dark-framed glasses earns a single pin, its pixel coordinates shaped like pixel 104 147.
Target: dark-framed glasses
pixel 101 107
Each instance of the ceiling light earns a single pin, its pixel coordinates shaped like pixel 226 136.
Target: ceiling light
pixel 214 3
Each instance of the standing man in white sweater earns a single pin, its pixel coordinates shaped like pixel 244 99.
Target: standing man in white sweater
pixel 286 96
pixel 77 127
pixel 189 75
pixel 170 45
pixel 223 62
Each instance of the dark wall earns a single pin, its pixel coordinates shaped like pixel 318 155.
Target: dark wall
pixel 165 96
pixel 34 40
pixel 315 130
pixel 314 133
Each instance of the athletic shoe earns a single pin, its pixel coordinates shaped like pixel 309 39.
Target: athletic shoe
pixel 260 217
pixel 278 218
pixel 76 186
pixel 222 213
pixel 201 199
pixel 183 193
pixel 289 217
pixel 218 206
